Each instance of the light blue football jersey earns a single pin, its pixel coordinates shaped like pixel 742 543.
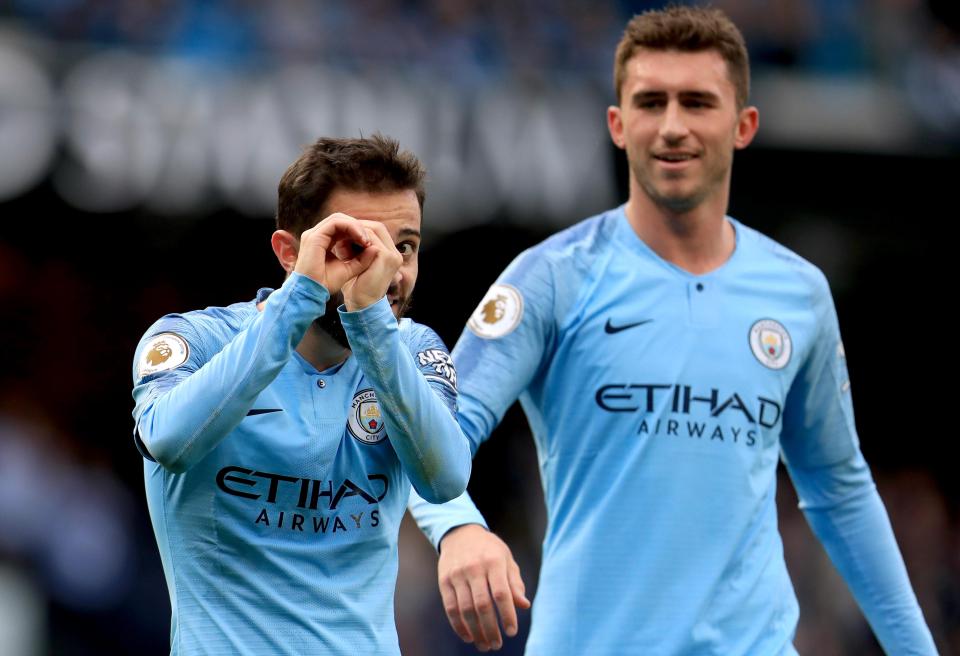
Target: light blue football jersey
pixel 660 403
pixel 275 490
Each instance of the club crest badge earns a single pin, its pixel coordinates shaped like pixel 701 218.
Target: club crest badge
pixel 365 421
pixel 164 351
pixel 499 312
pixel 770 343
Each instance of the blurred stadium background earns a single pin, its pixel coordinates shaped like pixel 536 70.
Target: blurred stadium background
pixel 141 144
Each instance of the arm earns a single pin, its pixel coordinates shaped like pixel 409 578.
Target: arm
pixel 185 407
pixel 183 413
pixel 838 496
pixel 507 340
pixel 421 427
pixel 847 515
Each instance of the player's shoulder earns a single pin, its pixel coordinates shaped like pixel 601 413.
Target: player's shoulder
pixel 584 239
pixel 228 320
pixel 418 336
pixel 429 352
pixel 206 329
pixel 194 336
pixel 550 277
pixel 566 255
pixel 769 254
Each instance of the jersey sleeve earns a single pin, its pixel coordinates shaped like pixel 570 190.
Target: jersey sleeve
pixel 203 388
pixel 505 342
pixel 837 493
pixel 417 395
pixel 436 520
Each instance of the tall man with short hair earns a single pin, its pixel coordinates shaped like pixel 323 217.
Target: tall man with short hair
pixel 667 356
pixel 281 435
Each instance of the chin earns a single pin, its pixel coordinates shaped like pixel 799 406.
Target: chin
pixel 676 203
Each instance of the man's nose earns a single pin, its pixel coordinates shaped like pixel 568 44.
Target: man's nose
pixel 673 127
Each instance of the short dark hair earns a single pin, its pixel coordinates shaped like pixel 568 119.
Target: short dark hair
pixel 374 164
pixel 687 29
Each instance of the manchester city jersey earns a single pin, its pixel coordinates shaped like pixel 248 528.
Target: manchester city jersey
pixel 279 490
pixel 660 402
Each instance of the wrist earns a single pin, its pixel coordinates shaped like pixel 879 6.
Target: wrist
pixel 356 310
pixel 462 530
pixel 355 305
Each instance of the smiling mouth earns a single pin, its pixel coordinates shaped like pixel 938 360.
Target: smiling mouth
pixel 675 158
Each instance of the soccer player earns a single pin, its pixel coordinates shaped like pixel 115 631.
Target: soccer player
pixel 281 435
pixel 667 357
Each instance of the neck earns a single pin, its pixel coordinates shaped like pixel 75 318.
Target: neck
pixel 321 350
pixel 697 241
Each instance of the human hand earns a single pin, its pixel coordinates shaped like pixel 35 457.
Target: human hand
pixel 327 251
pixel 381 261
pixel 479 578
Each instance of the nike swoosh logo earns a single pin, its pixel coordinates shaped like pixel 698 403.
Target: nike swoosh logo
pixel 263 411
pixel 610 329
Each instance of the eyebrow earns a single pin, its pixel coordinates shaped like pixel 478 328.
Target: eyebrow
pixel 408 232
pixel 700 95
pixel 648 95
pixel 656 95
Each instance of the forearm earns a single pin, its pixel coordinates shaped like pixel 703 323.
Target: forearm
pixel 184 423
pixel 843 507
pixel 424 434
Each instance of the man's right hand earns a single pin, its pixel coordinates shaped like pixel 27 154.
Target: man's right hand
pixel 382 260
pixel 479 578
pixel 321 245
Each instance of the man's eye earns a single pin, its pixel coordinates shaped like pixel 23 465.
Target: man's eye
pixel 407 248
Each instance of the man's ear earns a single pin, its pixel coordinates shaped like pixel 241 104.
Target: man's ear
pixel 747 125
pixel 615 126
pixel 285 247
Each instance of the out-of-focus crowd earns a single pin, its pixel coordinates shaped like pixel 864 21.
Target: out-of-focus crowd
pixel 470 37
pixel 915 44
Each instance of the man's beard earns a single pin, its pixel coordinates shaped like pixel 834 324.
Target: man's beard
pixel 331 324
pixel 716 175
pixel 330 321
pixel 403 304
